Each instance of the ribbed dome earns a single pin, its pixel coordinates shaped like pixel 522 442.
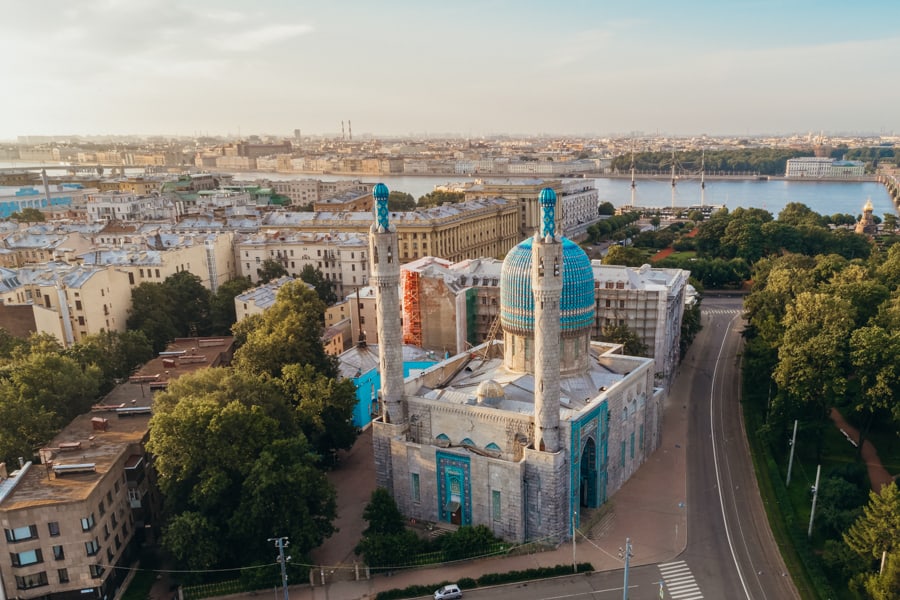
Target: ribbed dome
pixel 517 299
pixel 489 391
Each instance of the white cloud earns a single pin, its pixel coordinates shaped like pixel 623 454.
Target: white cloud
pixel 254 39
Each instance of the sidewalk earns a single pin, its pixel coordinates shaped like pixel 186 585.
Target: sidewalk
pixel 648 509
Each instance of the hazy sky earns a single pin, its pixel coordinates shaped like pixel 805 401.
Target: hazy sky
pixel 471 67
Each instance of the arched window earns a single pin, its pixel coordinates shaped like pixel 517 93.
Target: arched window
pixel 443 437
pixel 467 442
pixel 493 446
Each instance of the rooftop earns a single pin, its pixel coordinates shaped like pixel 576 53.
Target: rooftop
pixel 81 445
pixel 456 380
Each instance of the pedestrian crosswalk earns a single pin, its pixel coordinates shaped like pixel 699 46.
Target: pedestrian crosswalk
pixel 720 311
pixel 679 581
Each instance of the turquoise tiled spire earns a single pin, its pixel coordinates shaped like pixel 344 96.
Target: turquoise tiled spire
pixel 381 193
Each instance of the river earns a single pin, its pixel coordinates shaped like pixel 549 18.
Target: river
pixel 824 197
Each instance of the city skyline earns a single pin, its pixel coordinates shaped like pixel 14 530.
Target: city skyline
pixel 468 68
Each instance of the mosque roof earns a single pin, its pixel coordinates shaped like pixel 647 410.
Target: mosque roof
pixel 514 391
pixel 517 299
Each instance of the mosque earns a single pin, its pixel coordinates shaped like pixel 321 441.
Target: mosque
pixel 523 433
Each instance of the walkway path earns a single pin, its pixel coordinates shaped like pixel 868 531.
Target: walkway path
pixel 878 475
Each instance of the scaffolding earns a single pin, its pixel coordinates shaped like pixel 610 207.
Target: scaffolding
pixel 412 315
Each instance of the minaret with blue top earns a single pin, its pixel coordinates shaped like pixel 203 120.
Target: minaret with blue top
pixel 385 278
pixel 547 285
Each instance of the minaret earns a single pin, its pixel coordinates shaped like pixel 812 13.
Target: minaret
pixel 385 278
pixel 546 284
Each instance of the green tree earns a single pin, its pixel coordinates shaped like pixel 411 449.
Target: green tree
pixel 117 354
pixel 606 208
pixel 813 355
pixel 324 408
pixel 796 214
pixel 875 356
pixel 28 215
pixel 270 270
pixel 628 256
pixel 233 468
pixel 621 334
pixel 324 287
pixel 382 514
pixel 467 542
pixel 655 221
pixel 890 222
pixel 439 197
pixel 222 312
pixel 150 313
pixel 188 303
pixel 877 530
pixel 285 493
pixel 288 332
pixel 401 201
pixel 386 541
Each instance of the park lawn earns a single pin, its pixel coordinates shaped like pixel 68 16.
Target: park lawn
pixel 686 255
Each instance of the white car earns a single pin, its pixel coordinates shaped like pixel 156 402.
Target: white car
pixel 448 592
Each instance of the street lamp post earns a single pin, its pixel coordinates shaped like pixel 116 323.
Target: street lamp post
pixel 626 554
pixel 815 492
pixel 280 543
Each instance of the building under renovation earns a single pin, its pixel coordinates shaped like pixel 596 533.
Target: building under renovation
pixel 521 433
pixel 453 307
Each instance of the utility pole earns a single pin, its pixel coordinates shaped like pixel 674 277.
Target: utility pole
pixel 574 562
pixel 626 554
pixel 791 459
pixel 280 543
pixel 815 492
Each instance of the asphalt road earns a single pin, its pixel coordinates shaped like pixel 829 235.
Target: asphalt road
pixel 730 551
pixel 730 548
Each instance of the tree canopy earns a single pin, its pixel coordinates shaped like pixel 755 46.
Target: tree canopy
pixel 234 470
pixel 288 332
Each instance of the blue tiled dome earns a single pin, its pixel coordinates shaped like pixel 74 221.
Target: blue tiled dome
pixel 517 299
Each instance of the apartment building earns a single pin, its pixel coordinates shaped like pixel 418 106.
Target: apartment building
pixel 69 302
pixel 75 517
pixel 208 256
pixel 341 257
pixel 303 192
pixel 125 206
pixel 471 229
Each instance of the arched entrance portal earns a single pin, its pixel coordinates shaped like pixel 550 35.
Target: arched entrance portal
pixel 589 496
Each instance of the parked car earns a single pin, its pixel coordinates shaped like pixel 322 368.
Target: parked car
pixel 448 592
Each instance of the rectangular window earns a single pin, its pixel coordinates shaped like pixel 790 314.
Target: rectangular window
pixel 18 534
pixel 53 527
pixel 641 441
pixel 87 523
pixel 109 496
pixel 93 547
pixel 130 278
pixel 102 508
pixel 495 504
pixel 58 552
pixel 63 575
pixel 622 460
pixel 26 582
pixel 78 305
pixel 29 557
pixel 96 571
pixel 415 487
pixel 632 444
